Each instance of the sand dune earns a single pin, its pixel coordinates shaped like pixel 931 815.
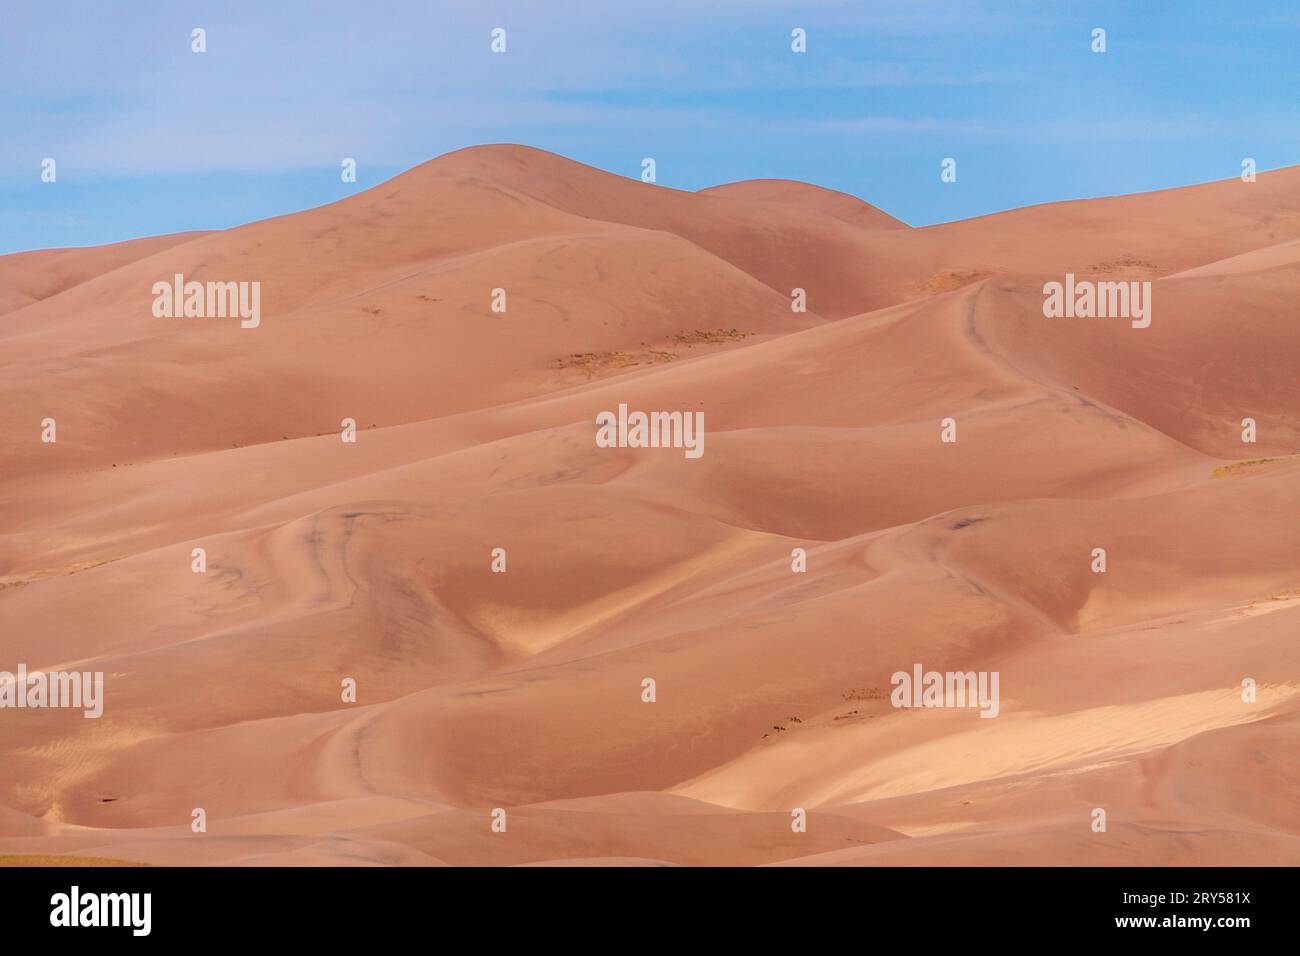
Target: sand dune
pixel 522 691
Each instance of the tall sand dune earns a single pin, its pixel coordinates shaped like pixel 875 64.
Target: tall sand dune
pixel 474 317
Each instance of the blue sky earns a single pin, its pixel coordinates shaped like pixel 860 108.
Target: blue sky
pixel 151 138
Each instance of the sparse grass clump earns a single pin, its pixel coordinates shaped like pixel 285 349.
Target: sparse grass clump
pixel 709 336
pixel 951 279
pixel 51 859
pixel 593 363
pixel 1224 470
